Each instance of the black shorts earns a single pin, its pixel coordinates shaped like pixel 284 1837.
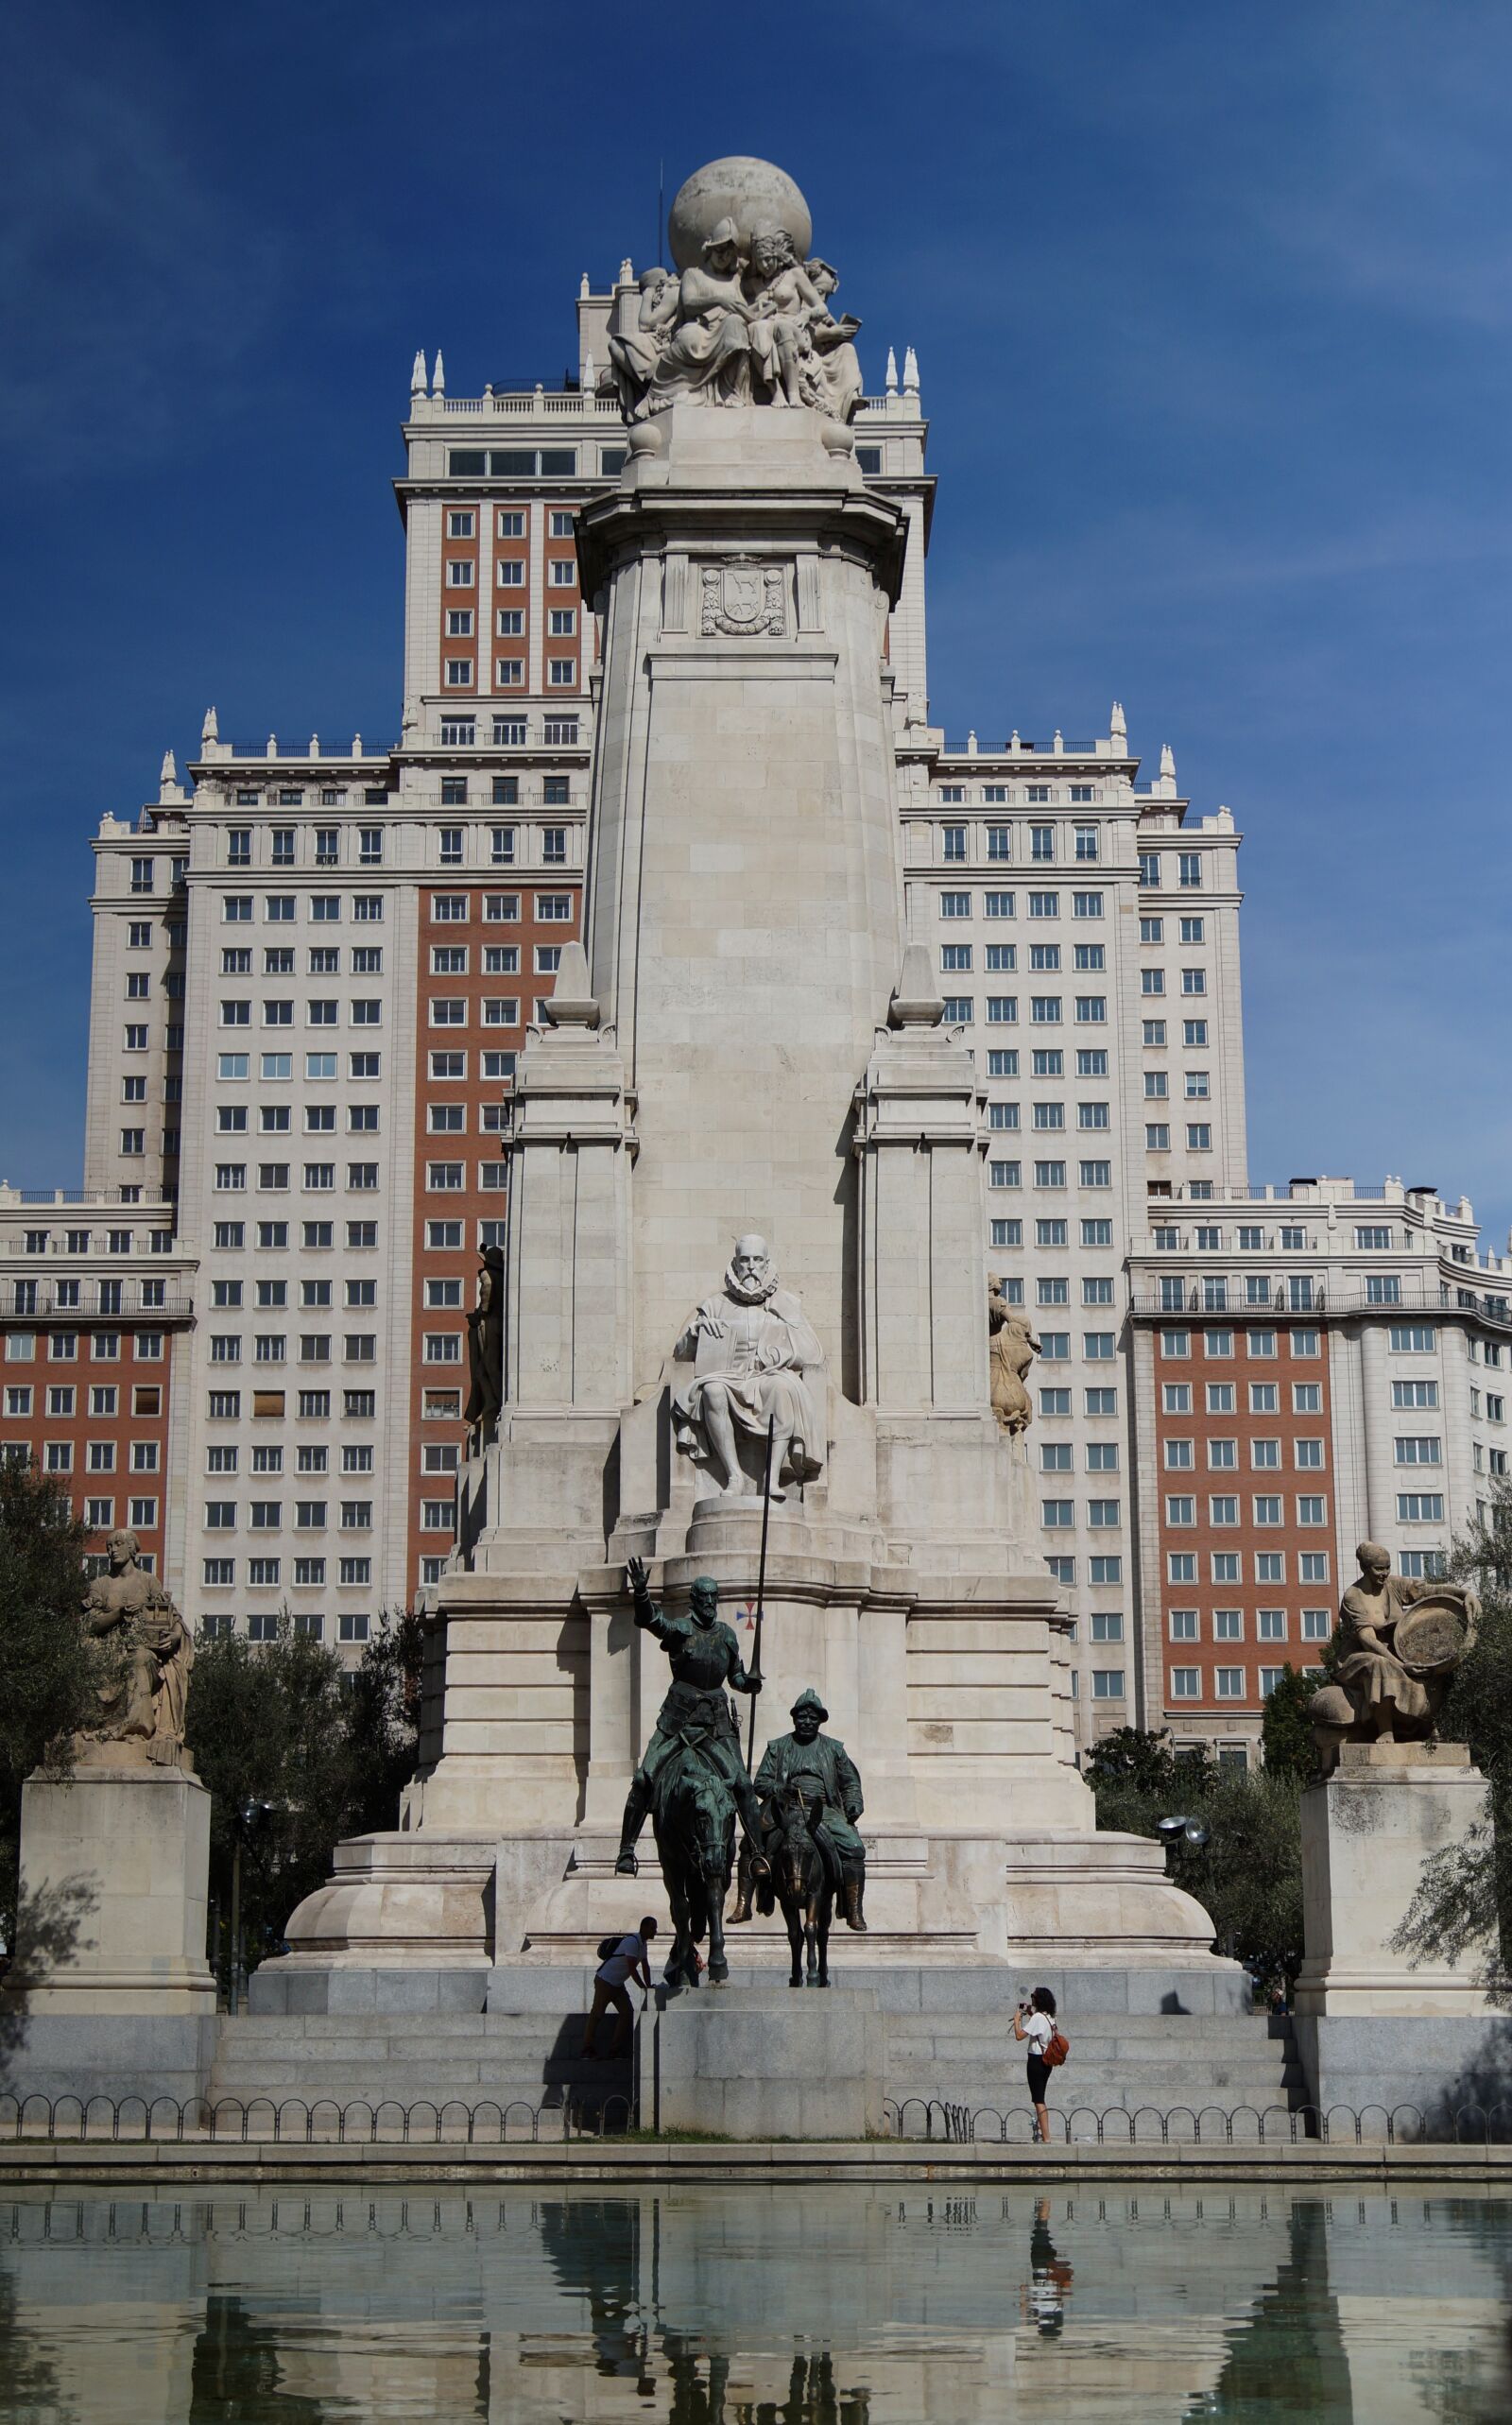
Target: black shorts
pixel 1039 2073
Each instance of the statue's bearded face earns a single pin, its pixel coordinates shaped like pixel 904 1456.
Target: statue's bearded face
pixel 705 1604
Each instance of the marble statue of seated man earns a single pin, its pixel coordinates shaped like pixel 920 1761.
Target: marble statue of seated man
pixel 752 1352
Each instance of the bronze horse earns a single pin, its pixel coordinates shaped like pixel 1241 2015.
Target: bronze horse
pixel 693 1821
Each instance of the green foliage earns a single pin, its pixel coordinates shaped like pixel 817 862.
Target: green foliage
pixel 1463 1905
pixel 1132 1759
pixel 1248 1875
pixel 1286 1731
pixel 49 1668
pixel 297 1754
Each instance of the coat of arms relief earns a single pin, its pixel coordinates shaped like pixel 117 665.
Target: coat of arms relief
pixel 745 597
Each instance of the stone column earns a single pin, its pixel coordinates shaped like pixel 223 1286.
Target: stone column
pixel 744 904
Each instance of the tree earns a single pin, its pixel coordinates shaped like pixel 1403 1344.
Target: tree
pixel 1248 1872
pixel 297 1754
pixel 1286 1730
pixel 1133 1758
pixel 50 1670
pixel 1463 1905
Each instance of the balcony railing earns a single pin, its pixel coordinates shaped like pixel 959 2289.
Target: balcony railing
pixel 146 1207
pixel 54 1302
pixel 1420 1293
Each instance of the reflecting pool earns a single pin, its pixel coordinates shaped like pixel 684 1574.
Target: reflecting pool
pixel 749 2306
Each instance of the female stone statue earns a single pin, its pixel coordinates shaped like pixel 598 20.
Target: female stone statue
pixel 835 353
pixel 706 358
pixel 1014 1348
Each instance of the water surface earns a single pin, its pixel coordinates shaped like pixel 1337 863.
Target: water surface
pixel 752 2306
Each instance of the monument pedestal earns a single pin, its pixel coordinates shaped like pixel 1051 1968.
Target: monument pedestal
pixel 763 2062
pixel 111 1980
pixel 1377 2031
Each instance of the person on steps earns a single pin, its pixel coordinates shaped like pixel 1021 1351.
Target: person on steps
pixel 629 1960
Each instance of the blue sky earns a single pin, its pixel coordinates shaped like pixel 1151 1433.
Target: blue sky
pixel 1213 312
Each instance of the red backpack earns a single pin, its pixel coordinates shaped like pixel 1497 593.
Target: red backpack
pixel 1056 2050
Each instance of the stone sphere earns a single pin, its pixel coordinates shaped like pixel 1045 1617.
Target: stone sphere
pixel 750 192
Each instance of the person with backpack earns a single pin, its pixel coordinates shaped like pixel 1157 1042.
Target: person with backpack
pixel 622 1958
pixel 1035 2021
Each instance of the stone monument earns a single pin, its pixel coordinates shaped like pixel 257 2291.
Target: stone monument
pixel 1378 2030
pixel 111 1975
pixel 747 1047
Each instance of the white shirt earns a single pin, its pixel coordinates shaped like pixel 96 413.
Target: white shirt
pixel 629 1952
pixel 1039 2029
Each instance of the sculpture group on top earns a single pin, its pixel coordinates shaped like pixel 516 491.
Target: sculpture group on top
pixel 745 324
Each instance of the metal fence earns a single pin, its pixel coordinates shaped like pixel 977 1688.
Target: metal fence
pixel 294 2121
pixel 72 2118
pixel 1208 2126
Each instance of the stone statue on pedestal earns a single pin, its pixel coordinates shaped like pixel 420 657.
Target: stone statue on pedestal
pixel 693 1779
pixel 751 1351
pixel 1014 1348
pixel 1400 1643
pixel 485 1344
pixel 152 1652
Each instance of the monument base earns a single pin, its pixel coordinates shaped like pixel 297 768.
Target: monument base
pixel 1376 2028
pixel 110 1993
pixel 761 2062
pixel 1430 2074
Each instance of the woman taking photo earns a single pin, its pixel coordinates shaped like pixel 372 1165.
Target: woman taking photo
pixel 1035 2022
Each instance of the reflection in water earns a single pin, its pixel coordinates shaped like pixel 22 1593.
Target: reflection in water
pixel 1050 2277
pixel 1294 2328
pixel 742 2305
pixel 238 2370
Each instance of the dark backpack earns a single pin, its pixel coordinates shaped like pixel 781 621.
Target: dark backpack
pixel 608 1945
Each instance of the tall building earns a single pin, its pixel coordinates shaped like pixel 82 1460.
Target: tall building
pixel 1313 1365
pixel 314 968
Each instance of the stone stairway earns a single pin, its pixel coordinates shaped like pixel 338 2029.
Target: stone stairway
pixel 1162 2062
pixel 1155 2063
pixel 403 2060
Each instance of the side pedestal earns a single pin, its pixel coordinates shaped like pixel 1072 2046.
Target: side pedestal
pixel 112 1993
pixel 761 2062
pixel 1376 2031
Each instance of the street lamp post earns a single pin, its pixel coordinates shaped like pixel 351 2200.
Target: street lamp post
pixel 251 1816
